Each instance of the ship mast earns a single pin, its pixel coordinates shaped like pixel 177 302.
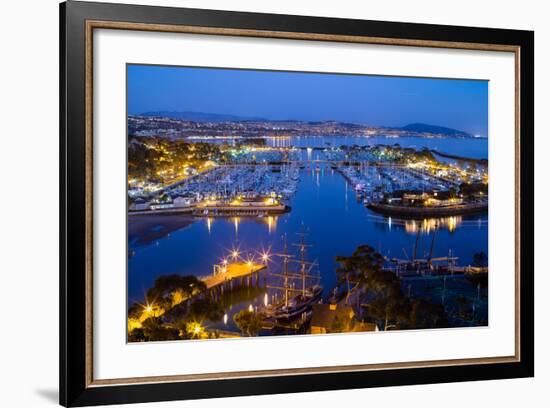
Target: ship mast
pixel 303 263
pixel 286 275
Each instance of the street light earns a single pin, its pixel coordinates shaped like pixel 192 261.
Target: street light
pixel 195 329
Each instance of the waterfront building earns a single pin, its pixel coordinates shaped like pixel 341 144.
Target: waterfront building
pixel 140 205
pixel 161 206
pixel 180 201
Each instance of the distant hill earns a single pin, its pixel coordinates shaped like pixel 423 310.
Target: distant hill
pixel 438 130
pixel 200 116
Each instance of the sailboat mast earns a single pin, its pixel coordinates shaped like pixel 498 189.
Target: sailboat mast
pixel 303 264
pixel 302 245
pixel 433 242
pixel 285 272
pixel 416 244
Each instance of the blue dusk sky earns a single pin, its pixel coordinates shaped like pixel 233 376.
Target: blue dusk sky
pixel 374 100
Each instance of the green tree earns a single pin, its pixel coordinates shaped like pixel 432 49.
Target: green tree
pixel 248 322
pixel 355 269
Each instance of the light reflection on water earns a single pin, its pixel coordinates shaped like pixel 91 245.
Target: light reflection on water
pixel 466 147
pixel 429 225
pixel 337 224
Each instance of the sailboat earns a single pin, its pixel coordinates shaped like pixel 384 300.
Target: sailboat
pixel 295 300
pixel 421 266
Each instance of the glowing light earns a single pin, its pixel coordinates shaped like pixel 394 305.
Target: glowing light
pixel 195 329
pixel 265 300
pixel 250 308
pixel 225 318
pixel 235 254
pixel 209 224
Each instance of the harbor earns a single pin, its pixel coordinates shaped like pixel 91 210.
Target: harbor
pixel 325 203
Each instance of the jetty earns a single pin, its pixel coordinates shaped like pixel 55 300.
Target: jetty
pixel 227 273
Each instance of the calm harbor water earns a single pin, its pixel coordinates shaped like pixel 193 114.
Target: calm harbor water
pixel 475 148
pixel 325 205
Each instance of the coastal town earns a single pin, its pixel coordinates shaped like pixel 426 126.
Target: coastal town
pixel 251 178
pixel 239 171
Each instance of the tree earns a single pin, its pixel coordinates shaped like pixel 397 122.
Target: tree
pixel 386 302
pixel 248 322
pixel 155 330
pixel 479 279
pixel 167 285
pixel 356 268
pixel 426 315
pixel 480 259
pixel 462 304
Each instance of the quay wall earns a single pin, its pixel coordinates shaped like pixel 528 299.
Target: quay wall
pixel 218 211
pixel 225 211
pixel 413 212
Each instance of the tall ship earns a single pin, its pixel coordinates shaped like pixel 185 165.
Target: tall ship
pixel 299 288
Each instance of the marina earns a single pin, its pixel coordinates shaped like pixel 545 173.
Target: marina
pixel 327 203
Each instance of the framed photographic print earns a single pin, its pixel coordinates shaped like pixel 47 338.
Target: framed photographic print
pixel 255 203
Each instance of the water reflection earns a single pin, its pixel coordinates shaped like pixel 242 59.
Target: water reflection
pixel 323 201
pixel 271 223
pixel 429 225
pixel 432 224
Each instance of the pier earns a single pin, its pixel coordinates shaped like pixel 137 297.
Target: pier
pixel 245 210
pixel 221 210
pixel 226 273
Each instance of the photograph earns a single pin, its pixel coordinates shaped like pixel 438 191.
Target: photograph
pixel 282 203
